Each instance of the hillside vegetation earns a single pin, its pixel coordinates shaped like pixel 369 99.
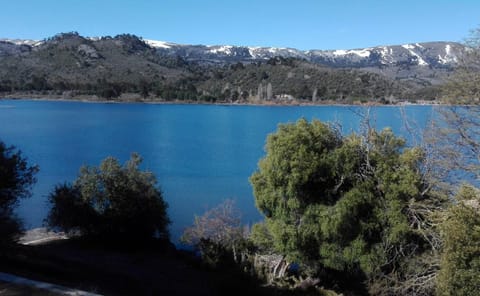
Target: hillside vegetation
pixel 125 67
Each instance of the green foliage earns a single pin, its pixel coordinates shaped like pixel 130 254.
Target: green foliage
pixel 16 179
pixel 341 202
pixel 460 262
pixel 262 237
pixel 111 202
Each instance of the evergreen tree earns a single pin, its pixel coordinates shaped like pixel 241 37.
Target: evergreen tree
pixel 342 203
pixel 16 179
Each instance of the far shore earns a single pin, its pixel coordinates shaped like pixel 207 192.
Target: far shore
pixel 135 98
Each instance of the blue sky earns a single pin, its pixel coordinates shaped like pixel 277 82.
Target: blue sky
pixel 303 24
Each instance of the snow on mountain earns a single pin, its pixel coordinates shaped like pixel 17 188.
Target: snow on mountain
pixel 362 52
pixel 265 53
pixel 433 54
pixel 23 42
pixel 387 55
pixel 422 63
pixel 158 44
pixel 449 57
pixel 416 54
pixel 410 48
pixel 225 49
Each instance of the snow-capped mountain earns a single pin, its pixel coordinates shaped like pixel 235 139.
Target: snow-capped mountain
pixel 428 54
pixel 22 41
pixel 427 63
pixel 69 60
pixel 15 46
pixel 423 63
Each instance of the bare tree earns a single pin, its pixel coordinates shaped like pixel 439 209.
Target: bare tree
pixel 221 224
pixel 269 91
pixel 260 92
pixel 417 271
pixel 458 129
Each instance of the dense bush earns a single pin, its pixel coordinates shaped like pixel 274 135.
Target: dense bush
pixel 111 202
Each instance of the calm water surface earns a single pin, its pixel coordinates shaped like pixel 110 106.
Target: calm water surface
pixel 201 154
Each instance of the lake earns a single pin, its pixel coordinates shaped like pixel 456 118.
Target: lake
pixel 201 154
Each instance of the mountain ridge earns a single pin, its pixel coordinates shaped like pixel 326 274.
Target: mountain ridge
pixel 109 66
pixel 251 53
pixel 434 53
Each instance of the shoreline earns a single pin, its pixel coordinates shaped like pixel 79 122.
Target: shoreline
pixel 154 101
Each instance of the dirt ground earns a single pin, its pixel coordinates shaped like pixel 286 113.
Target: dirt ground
pixel 8 289
pixel 122 272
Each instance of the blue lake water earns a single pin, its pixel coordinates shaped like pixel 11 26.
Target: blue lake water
pixel 201 154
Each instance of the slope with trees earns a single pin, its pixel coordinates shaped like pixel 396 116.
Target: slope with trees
pixel 71 66
pixel 284 79
pixel 106 67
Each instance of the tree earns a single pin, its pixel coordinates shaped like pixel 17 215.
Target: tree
pixel 460 262
pixel 16 180
pixel 111 202
pixel 144 88
pixel 260 92
pixel 454 156
pixel 342 203
pixel 220 224
pixel 219 235
pixel 269 91
pixel 457 135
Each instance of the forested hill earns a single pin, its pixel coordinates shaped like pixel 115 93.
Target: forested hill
pixel 125 67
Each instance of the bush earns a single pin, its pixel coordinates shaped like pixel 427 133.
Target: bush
pixel 111 202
